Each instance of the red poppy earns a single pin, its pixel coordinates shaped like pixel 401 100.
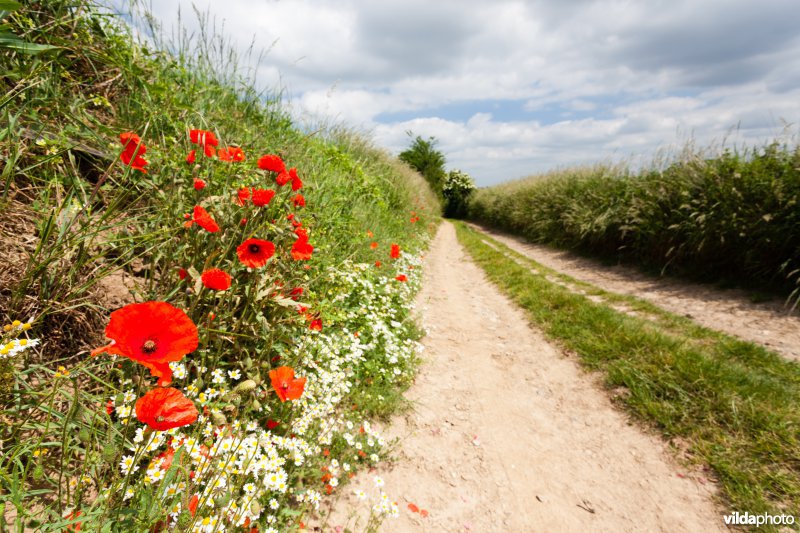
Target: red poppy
pixel 199 184
pixel 377 264
pixel 296 293
pixel 74 525
pixel 296 183
pixel 254 253
pixel 203 219
pixel 272 163
pixel 191 157
pixel 230 154
pixel 424 513
pixel 316 325
pixel 283 178
pixel 166 457
pixel 216 279
pixel 242 195
pixel 370 234
pixel 271 424
pixel 413 508
pixel 110 406
pixel 206 139
pixel 262 197
pixel 299 201
pixel 152 334
pixel 133 151
pixel 395 252
pixel 301 250
pixel 285 384
pixel 182 273
pixel 401 277
pixel 373 245
pixel 193 501
pixel 165 408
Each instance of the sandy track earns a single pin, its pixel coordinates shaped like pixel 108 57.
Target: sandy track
pixel 731 311
pixel 508 434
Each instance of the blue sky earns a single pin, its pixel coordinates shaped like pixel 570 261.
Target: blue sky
pixel 513 88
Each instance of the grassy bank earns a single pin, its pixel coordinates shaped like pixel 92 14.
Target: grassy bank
pixel 299 324
pixel 733 217
pixel 731 403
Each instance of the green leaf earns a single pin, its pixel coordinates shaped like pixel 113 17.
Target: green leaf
pixel 9 40
pixel 9 5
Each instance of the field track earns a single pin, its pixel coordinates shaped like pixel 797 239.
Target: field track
pixel 770 323
pixel 508 433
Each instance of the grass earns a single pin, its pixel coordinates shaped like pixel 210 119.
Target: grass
pixel 729 217
pixel 75 221
pixel 733 402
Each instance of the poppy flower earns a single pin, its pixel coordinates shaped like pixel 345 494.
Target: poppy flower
pixel 216 279
pixel 395 252
pixel 316 325
pixel 296 182
pixel 242 195
pixel 413 508
pixel 193 501
pixel 285 384
pixel 206 139
pixel 203 219
pixel 296 293
pixel 272 163
pixel 271 424
pixel 133 151
pixel 262 197
pixel 191 157
pixel 299 201
pixel 231 154
pixel 254 253
pixel 74 525
pixel 301 250
pixel 377 264
pixel 182 273
pixel 373 245
pixel 199 184
pixel 165 408
pixel 283 178
pixel 152 334
pixel 401 277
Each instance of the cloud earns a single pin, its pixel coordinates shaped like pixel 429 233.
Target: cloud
pixel 513 87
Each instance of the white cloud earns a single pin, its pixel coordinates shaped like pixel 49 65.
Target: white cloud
pixel 589 79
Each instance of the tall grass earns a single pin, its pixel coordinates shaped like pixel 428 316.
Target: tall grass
pixel 732 217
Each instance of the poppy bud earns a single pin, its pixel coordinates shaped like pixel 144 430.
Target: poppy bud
pixel 256 405
pixel 248 362
pixel 245 386
pixel 84 436
pixel 109 453
pixel 218 419
pixel 255 507
pixel 199 383
pixel 38 473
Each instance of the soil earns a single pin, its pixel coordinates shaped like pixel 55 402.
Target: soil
pixel 510 434
pixel 769 323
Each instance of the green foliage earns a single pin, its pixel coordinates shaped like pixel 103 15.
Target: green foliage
pixel 423 157
pixel 457 189
pixel 77 223
pixel 733 402
pixel 733 217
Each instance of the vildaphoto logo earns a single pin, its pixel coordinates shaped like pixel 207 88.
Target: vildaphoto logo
pixel 747 519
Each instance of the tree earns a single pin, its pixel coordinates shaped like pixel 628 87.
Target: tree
pixel 458 187
pixel 423 157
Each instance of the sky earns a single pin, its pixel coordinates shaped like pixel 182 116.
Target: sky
pixel 515 88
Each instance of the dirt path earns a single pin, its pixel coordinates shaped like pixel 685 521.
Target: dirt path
pixel 731 311
pixel 510 435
